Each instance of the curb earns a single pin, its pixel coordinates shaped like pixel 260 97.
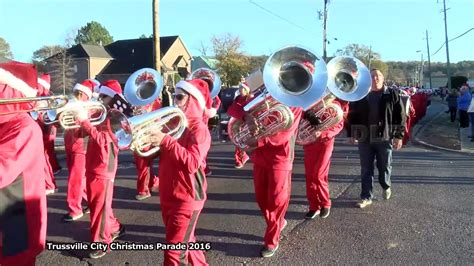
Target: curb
pixel 419 142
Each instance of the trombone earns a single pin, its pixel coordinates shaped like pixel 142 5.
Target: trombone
pixel 50 102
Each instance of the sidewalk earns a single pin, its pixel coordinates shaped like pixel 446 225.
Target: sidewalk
pixel 437 109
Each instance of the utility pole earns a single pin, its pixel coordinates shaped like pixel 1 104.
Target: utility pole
pixel 429 60
pixel 447 46
pixel 156 36
pixel 326 2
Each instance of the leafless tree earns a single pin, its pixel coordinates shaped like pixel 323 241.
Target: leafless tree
pixel 61 68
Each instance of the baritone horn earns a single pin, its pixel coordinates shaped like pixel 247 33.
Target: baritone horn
pixel 349 80
pixel 293 76
pixel 66 116
pixel 211 77
pixel 42 103
pixel 134 133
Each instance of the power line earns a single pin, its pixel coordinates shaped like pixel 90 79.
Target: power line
pixel 278 16
pixel 452 40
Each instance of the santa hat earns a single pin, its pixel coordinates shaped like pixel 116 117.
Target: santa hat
pixel 45 81
pixel 87 86
pixel 199 89
pixel 21 77
pixel 110 88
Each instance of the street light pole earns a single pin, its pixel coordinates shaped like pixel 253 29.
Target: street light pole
pixel 447 46
pixel 429 61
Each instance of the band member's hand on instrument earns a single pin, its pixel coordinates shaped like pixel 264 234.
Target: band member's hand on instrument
pixel 252 124
pixel 317 134
pixel 156 137
pixel 81 116
pixel 353 141
pixel 397 144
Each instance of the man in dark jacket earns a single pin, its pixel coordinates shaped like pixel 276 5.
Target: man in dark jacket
pixel 377 124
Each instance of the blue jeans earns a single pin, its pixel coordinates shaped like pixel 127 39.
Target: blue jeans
pixel 471 117
pixel 381 152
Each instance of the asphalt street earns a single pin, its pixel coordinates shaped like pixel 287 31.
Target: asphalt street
pixel 428 220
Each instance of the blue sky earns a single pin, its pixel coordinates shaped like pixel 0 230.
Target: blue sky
pixel 394 28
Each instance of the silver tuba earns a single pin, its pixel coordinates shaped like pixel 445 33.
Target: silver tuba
pixel 293 76
pixel 349 80
pixel 143 87
pixel 133 133
pixel 208 75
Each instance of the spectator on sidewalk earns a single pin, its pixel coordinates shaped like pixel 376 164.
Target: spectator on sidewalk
pixel 463 104
pixel 452 100
pixel 470 111
pixel 377 123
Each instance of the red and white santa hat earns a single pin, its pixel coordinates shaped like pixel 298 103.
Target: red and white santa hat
pixel 45 81
pixel 87 87
pixel 199 89
pixel 19 80
pixel 110 88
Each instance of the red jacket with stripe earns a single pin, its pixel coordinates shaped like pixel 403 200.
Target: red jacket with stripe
pixel 102 150
pixel 182 180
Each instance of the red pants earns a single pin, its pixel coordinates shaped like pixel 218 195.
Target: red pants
pixel 103 222
pixel 240 156
pixel 317 160
pixel 180 225
pixel 272 190
pixel 49 176
pixel 76 185
pixel 144 173
pixel 49 148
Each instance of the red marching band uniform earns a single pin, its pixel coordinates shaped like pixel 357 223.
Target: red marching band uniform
pixel 75 144
pixel 22 163
pixel 182 180
pixel 273 164
pixel 317 161
pixel 208 114
pixel 49 135
pixel 146 181
pixel 101 167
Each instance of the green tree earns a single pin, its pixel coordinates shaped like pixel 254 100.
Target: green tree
pixel 232 63
pixel 93 33
pixel 359 51
pixel 43 53
pixel 257 62
pixel 5 49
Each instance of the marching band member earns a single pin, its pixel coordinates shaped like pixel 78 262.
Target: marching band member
pixel 101 166
pixel 49 133
pixel 244 96
pixel 317 160
pixel 75 144
pixel 273 163
pixel 49 130
pixel 145 182
pixel 182 180
pixel 22 191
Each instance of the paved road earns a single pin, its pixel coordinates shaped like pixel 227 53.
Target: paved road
pixel 429 220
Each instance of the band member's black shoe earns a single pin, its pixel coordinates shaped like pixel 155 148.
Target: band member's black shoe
pixel 119 233
pixel 268 252
pixel 97 254
pixel 312 214
pixel 325 212
pixel 69 218
pixel 86 210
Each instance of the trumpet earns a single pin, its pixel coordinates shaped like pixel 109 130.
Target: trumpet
pixel 349 80
pixel 288 81
pixel 43 103
pixel 66 116
pixel 134 133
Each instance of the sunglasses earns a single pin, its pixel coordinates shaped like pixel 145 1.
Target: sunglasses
pixel 179 96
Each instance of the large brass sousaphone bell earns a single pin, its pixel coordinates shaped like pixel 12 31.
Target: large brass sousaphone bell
pixel 349 80
pixel 209 75
pixel 293 76
pixel 143 87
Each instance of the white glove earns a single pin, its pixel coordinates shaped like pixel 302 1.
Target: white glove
pixel 82 115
